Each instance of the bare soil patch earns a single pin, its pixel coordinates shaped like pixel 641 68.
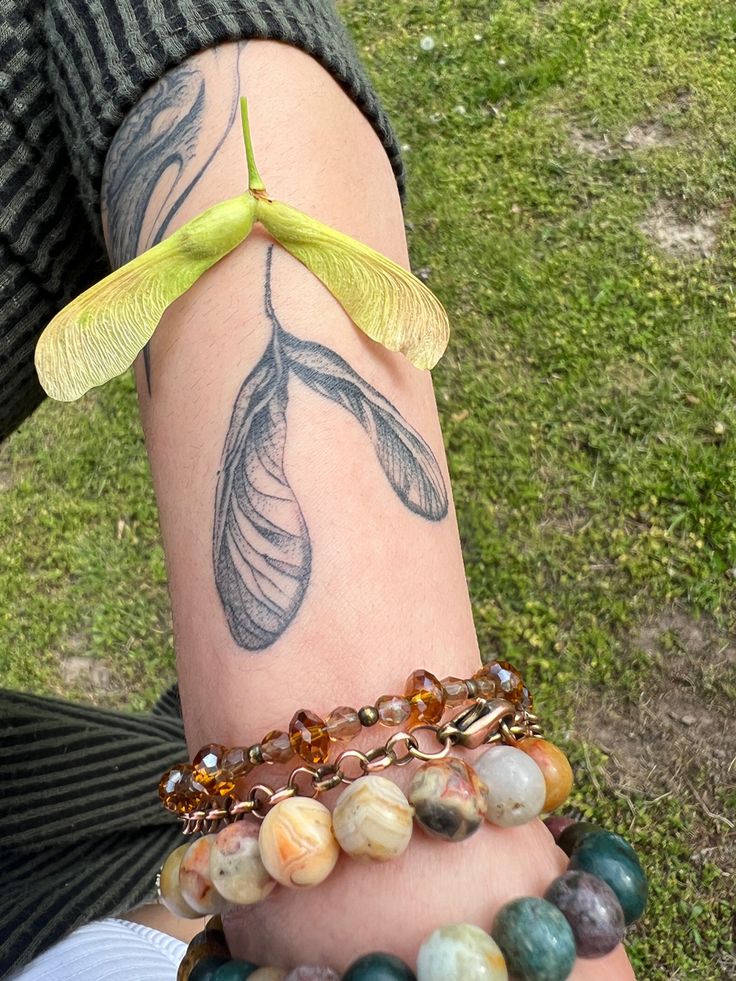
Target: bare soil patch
pixel 680 737
pixel 87 676
pixel 650 135
pixel 682 238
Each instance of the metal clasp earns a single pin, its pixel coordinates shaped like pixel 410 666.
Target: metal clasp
pixel 474 725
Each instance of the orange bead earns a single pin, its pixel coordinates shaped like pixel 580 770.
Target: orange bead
pixel 179 791
pixel 206 764
pixel 427 697
pixel 276 747
pixel 309 738
pixel 224 784
pixel 556 770
pixel 499 679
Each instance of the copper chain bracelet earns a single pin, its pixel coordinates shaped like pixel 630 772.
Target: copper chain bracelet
pixel 486 722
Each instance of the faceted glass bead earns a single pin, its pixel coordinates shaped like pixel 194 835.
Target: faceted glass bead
pixel 487 687
pixel 206 764
pixel 342 723
pixel 393 710
pixel 170 788
pixel 277 747
pixel 236 761
pixel 308 737
pixel 456 691
pixel 179 791
pixel 427 697
pixel 500 680
pixel 224 784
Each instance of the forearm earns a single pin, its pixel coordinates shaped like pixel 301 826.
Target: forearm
pixel 375 586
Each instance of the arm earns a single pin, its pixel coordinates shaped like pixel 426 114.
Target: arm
pixel 335 570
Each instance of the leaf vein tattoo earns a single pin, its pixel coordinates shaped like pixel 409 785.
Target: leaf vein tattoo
pixel 261 549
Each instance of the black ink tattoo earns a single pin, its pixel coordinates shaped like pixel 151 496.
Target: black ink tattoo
pixel 155 149
pixel 262 552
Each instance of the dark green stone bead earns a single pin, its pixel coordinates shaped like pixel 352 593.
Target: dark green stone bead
pixel 535 939
pixel 205 969
pixel 612 859
pixel 572 836
pixel 234 971
pixel 379 967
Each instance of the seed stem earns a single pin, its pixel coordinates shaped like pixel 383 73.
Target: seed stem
pixel 255 182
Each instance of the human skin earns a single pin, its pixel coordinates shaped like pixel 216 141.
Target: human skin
pixel 386 592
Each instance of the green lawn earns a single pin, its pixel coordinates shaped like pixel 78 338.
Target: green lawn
pixel 572 173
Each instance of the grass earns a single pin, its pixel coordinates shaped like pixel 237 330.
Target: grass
pixel 588 402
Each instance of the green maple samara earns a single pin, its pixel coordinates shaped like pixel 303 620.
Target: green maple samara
pixel 99 334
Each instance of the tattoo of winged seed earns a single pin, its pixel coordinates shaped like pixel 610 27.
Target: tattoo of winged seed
pixel 261 549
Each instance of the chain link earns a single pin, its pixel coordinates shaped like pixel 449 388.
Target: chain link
pixel 505 726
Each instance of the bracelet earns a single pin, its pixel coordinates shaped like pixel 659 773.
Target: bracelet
pixel 219 772
pixel 299 840
pixel 584 913
pixel 485 722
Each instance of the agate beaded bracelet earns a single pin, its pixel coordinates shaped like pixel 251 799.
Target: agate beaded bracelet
pixel 510 784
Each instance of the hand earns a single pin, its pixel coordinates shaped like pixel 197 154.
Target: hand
pixel 394 906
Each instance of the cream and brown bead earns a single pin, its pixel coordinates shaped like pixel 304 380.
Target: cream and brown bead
pixel 448 798
pixel 169 887
pixel 459 952
pixel 236 868
pixel 296 842
pixel 373 819
pixel 195 881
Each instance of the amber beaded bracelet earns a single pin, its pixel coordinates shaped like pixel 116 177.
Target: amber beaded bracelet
pixel 217 772
pixel 484 722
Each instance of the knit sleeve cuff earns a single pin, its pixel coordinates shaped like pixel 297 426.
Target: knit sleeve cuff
pixel 104 54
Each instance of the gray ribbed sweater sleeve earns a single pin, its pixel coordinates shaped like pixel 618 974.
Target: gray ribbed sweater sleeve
pixel 69 72
pixel 82 831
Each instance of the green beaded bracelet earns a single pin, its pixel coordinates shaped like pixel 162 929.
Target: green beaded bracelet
pixel 583 914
